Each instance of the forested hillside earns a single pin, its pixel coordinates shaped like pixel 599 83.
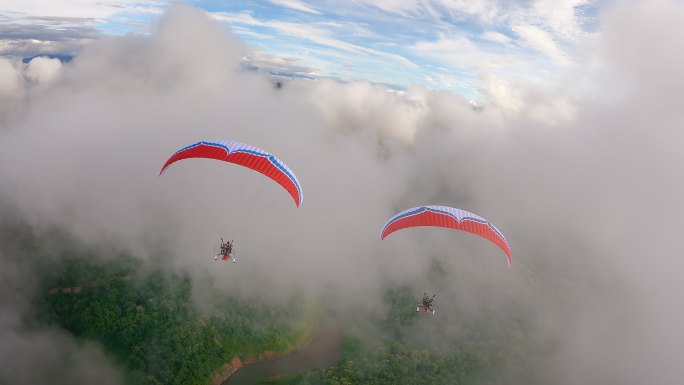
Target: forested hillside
pixel 149 325
pixel 492 350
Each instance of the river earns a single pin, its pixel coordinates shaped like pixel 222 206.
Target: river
pixel 323 351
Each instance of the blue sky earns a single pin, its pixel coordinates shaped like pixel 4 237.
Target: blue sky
pixel 438 44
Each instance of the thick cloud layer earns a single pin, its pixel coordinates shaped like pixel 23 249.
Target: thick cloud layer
pixel 583 180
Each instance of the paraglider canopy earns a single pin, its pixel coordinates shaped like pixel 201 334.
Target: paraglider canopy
pixel 243 155
pixel 448 217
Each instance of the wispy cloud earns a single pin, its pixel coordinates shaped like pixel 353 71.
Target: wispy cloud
pixel 496 37
pixel 388 41
pixel 82 9
pixel 29 40
pixel 33 27
pixel 315 33
pixel 541 41
pixel 462 52
pixel 297 5
pixel 290 66
pixel 562 18
pixel 322 36
pixel 486 10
